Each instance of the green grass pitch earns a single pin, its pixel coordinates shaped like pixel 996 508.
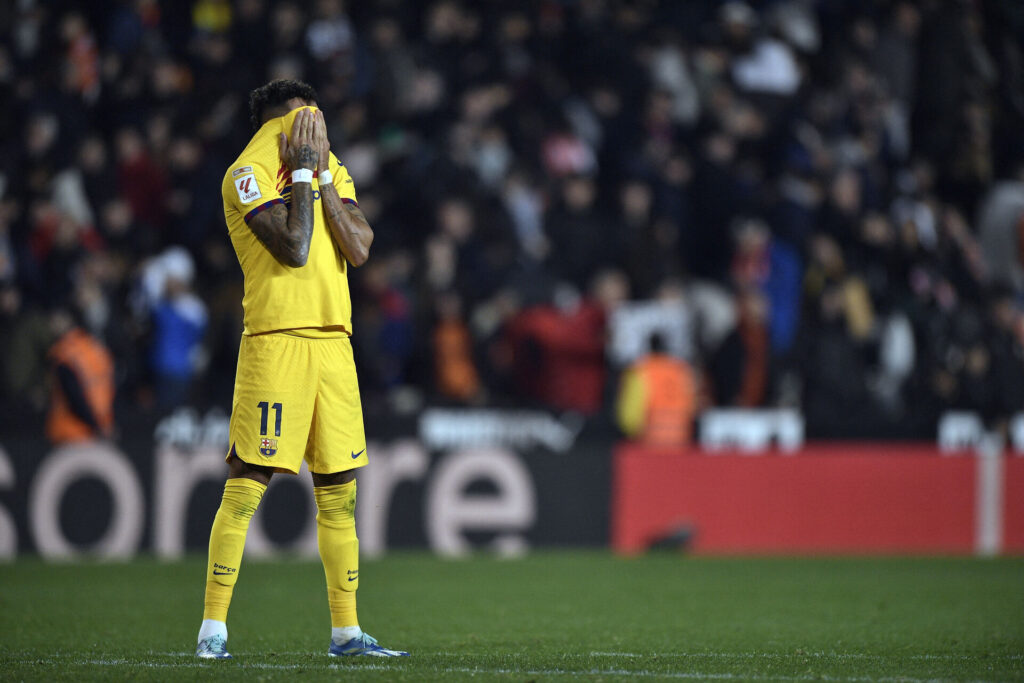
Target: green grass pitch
pixel 548 617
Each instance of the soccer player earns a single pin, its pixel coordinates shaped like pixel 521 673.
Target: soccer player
pixel 293 219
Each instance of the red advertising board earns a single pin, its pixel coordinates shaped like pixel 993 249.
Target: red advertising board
pixel 1013 505
pixel 825 498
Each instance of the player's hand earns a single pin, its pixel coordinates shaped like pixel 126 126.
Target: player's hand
pixel 299 151
pixel 320 141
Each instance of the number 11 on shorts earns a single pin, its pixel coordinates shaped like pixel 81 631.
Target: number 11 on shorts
pixel 265 413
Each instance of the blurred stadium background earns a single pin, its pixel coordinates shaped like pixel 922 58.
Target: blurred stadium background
pixel 816 205
pixel 650 276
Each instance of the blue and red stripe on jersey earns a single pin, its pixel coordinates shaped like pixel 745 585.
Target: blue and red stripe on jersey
pixel 263 207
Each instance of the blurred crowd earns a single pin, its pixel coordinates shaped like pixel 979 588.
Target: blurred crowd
pixel 830 193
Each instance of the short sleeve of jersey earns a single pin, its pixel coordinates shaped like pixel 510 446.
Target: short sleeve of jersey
pixel 343 182
pixel 251 190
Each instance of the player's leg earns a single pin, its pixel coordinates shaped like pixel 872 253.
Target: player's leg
pixel 335 496
pixel 339 550
pixel 271 416
pixel 243 491
pixel 337 446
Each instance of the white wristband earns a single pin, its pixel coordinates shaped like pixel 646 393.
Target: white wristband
pixel 325 178
pixel 302 175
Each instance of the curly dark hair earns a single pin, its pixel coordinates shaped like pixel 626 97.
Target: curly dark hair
pixel 276 93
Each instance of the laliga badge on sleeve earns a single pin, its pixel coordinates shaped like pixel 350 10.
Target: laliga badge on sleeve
pixel 248 189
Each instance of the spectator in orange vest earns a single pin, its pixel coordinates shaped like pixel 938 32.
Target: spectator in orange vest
pixel 657 399
pixel 454 369
pixel 81 384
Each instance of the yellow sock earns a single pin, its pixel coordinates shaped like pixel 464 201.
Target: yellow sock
pixel 339 549
pixel 227 540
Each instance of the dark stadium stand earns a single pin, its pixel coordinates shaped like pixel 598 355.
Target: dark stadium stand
pixel 828 195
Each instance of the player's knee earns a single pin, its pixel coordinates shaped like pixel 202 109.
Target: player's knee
pixel 241 499
pixel 336 505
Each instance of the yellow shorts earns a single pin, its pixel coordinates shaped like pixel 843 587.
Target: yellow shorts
pixel 297 398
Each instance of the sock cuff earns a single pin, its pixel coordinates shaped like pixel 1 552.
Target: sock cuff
pixel 336 488
pixel 244 484
pixel 240 500
pixel 338 501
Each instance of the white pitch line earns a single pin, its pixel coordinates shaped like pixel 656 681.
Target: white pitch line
pixel 149 665
pixel 670 675
pixel 786 655
pixel 688 675
pixel 195 664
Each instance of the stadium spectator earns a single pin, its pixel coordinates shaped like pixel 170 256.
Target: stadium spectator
pixel 739 367
pixel 583 240
pixel 558 352
pixel 657 399
pixel 179 321
pixel 455 370
pixel 1001 230
pixel 81 403
pixel 385 315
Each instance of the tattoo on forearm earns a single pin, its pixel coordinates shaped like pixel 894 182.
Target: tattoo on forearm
pixel 355 211
pixel 286 233
pixel 351 231
pixel 338 215
pixel 300 220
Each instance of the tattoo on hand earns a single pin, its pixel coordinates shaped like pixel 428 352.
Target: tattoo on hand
pixel 306 157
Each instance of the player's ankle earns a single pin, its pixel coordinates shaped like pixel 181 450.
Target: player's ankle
pixel 212 627
pixel 343 634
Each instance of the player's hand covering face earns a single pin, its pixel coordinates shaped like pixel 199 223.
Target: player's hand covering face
pixel 300 151
pixel 320 141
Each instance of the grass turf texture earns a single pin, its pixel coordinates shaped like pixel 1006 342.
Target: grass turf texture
pixel 551 616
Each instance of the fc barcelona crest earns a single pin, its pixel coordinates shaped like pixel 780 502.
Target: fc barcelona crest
pixel 268 447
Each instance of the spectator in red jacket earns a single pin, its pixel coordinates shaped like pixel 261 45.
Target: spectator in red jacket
pixel 559 352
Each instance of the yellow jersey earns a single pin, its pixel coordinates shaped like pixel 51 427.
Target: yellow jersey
pixel 276 296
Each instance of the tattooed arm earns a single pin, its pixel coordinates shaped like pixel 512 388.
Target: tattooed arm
pixel 349 228
pixel 285 232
